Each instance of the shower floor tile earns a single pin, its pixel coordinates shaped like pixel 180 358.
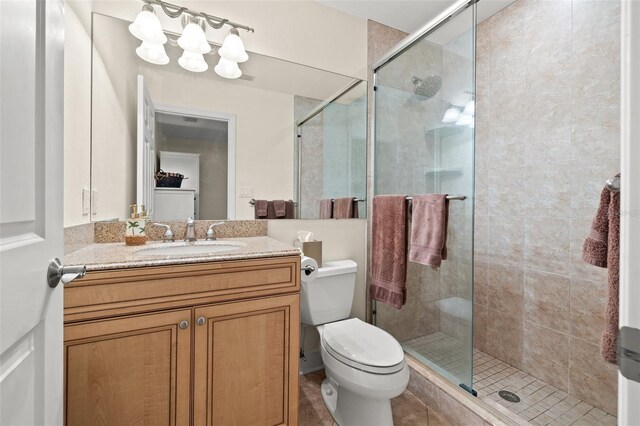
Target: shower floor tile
pixel 540 403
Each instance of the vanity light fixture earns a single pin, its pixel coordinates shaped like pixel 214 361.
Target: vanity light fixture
pixel 193 40
pixel 233 48
pixel 227 69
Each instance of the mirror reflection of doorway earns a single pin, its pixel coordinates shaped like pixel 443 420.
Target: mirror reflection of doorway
pixel 197 147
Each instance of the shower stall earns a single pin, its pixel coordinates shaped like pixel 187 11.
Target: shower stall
pixel 424 143
pixel 514 313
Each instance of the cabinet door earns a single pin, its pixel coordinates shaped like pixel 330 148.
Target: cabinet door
pixel 246 363
pixel 129 371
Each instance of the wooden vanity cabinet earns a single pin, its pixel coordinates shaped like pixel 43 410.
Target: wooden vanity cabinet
pixel 205 357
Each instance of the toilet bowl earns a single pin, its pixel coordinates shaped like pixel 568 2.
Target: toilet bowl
pixel 365 366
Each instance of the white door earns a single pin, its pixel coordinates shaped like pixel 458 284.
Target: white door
pixel 628 390
pixel 31 210
pixel 146 153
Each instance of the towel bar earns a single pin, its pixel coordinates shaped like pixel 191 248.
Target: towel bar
pixel 357 200
pixel 449 197
pixel 613 184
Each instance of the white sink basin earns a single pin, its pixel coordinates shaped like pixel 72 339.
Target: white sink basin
pixel 198 248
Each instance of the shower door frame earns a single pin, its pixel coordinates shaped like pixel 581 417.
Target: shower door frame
pixel 408 42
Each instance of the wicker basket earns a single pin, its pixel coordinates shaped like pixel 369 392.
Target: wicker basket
pixel 168 179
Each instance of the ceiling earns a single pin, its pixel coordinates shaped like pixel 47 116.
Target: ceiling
pixel 408 16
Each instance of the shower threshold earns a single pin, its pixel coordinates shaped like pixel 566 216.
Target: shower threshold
pixel 539 403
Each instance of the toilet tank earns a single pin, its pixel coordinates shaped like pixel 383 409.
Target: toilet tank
pixel 329 296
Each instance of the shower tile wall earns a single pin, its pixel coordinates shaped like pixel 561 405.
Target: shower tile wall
pixel 311 159
pixel 547 135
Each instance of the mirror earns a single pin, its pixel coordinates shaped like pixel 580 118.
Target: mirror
pixel 233 140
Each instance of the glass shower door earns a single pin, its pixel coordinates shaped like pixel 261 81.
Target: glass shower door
pixel 424 143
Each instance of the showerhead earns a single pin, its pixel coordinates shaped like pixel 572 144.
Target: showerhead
pixel 426 88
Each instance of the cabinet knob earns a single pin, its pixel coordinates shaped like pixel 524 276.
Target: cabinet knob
pixel 201 320
pixel 183 324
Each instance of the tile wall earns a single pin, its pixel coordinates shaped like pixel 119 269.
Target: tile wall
pixel 547 135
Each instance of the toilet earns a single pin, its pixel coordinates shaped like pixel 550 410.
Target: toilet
pixel 365 366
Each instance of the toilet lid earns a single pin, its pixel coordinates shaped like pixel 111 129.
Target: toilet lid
pixel 363 345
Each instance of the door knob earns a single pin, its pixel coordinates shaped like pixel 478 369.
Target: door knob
pixel 56 273
pixel 201 320
pixel 183 325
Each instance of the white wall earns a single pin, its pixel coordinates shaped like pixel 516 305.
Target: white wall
pixel 341 239
pixel 77 109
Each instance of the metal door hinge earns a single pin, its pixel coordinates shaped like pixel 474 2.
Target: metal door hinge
pixel 629 353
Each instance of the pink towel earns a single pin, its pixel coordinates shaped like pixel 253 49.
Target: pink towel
pixel 602 248
pixel 430 217
pixel 261 208
pixel 326 208
pixel 389 250
pixel 280 207
pixel 345 208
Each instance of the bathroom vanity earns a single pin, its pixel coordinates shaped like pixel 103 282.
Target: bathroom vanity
pixel 177 340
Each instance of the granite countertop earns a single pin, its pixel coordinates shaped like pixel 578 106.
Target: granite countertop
pixel 118 255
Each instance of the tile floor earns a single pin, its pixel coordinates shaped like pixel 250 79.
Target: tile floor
pixel 540 403
pixel 408 410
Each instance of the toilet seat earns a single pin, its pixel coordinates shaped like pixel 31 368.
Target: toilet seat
pixel 363 346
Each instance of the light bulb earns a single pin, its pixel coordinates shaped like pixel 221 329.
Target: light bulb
pixel 451 115
pixel 469 108
pixel 194 39
pixel 192 61
pixel 464 120
pixel 227 69
pixel 147 27
pixel 153 53
pixel 233 47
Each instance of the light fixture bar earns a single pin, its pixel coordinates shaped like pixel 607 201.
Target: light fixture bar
pixel 175 11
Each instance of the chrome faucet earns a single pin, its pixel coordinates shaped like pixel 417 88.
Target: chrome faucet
pixel 191 231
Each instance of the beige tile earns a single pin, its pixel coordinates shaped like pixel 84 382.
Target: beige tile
pixel 455 413
pixel 504 337
pixel 481 283
pixel 436 419
pixel 591 144
pixel 546 300
pixel 591 379
pixel 506 236
pixel 545 144
pixel 423 389
pixel 506 196
pixel 548 189
pixel 480 318
pixel 409 410
pixel 588 301
pixel 546 354
pixel 506 289
pixel 548 244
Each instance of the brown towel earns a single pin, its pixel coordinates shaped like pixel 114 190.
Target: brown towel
pixel 260 209
pixel 430 217
pixel 345 208
pixel 326 208
pixel 389 250
pixel 280 208
pixel 290 208
pixel 602 248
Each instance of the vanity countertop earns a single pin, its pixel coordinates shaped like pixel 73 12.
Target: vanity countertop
pixel 118 255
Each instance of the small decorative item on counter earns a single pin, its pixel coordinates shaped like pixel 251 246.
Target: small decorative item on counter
pixel 168 179
pixel 135 227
